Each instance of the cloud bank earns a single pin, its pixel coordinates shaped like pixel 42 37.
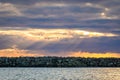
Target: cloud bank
pixel 52 27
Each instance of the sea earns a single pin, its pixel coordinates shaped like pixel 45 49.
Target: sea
pixel 60 73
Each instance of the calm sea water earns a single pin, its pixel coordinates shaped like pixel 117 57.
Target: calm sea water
pixel 59 73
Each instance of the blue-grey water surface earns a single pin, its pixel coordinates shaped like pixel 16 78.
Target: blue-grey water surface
pixel 59 73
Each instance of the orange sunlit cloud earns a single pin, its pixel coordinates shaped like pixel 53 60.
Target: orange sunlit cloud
pixel 96 55
pixel 17 53
pixel 25 53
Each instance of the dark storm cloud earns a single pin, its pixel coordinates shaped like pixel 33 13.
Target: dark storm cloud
pixel 82 13
pixel 101 45
pixel 101 25
pixel 19 1
pixel 97 45
pixel 9 41
pixel 34 1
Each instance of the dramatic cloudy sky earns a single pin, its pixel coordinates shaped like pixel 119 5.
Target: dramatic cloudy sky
pixel 86 28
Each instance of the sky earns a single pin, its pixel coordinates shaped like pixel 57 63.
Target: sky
pixel 79 28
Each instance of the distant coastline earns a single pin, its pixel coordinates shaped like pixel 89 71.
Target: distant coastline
pixel 48 61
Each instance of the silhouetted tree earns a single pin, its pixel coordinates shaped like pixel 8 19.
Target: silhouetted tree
pixel 58 62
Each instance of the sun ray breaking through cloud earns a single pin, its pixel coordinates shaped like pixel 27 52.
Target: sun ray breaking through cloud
pixel 59 27
pixel 54 34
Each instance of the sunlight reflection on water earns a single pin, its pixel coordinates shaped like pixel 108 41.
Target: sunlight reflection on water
pixel 59 73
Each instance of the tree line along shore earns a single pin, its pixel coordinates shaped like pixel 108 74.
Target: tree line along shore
pixel 58 62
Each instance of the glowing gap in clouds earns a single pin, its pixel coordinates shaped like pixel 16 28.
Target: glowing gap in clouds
pixel 54 34
pixel 25 53
pixel 95 55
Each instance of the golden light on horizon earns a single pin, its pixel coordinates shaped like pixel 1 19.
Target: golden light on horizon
pixel 95 55
pixel 25 53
